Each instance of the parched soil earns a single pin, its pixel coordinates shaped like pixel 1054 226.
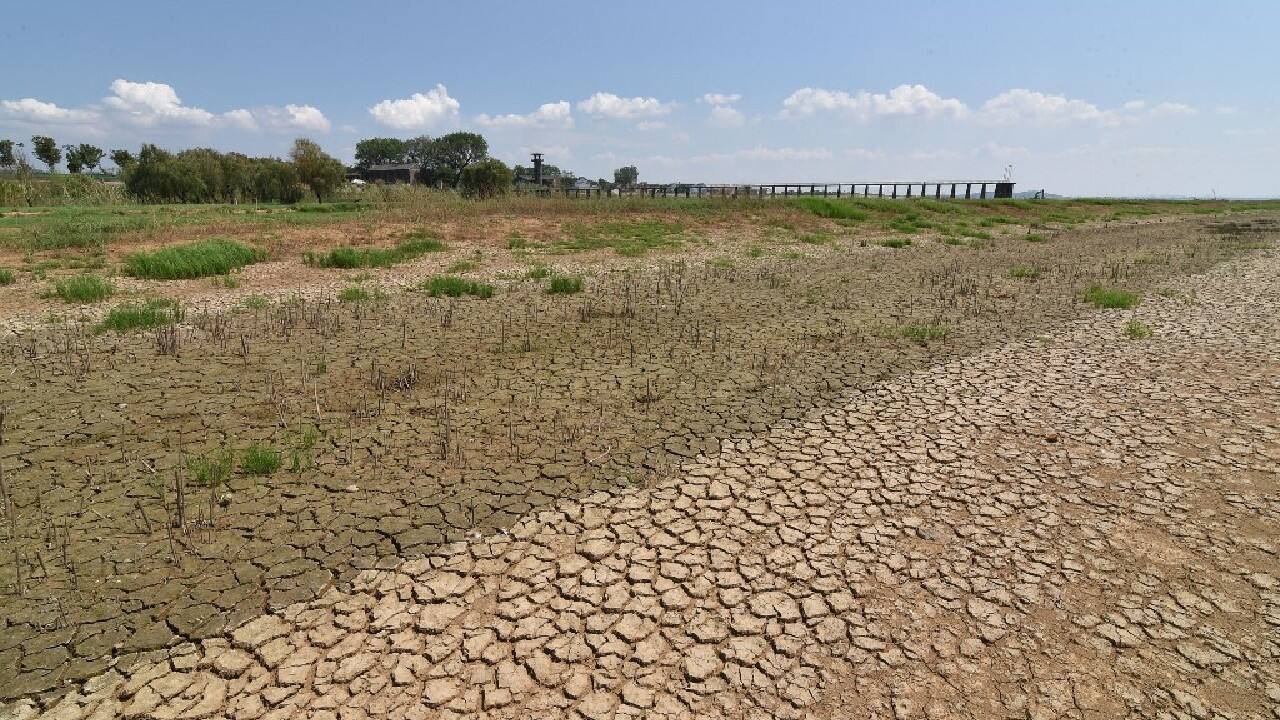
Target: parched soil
pixel 859 478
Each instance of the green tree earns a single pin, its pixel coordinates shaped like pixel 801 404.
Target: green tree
pixel 8 160
pixel 90 156
pixel 123 159
pixel 626 176
pixel 449 154
pixel 418 149
pixel 379 151
pixel 316 169
pixel 46 150
pixel 486 178
pixel 74 163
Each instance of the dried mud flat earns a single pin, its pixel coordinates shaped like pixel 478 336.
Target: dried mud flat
pixel 1071 525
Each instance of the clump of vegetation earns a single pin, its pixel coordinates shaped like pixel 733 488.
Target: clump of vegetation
pixel 925 333
pixel 833 209
pixel 83 289
pixel 255 302
pixel 454 286
pixel 358 294
pixel 538 272
pixel 1034 238
pixel 627 238
pixel 755 252
pixel 7 276
pixel 192 260
pixel 565 284
pixel 348 258
pixel 515 242
pixel 260 460
pixel 1111 298
pixel 463 266
pixel 302 457
pixel 1024 272
pixel 140 316
pixel 1137 330
pixel 212 469
pixel 895 242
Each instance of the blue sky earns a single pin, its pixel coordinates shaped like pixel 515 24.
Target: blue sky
pixel 1087 98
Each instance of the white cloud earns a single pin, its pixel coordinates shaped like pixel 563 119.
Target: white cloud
pixel 293 118
pixel 862 153
pixel 548 115
pixel 902 100
pixel 150 103
pixel 726 117
pixel 240 118
pixel 608 105
pixel 1022 106
pixel 31 110
pixel 418 111
pixel 719 99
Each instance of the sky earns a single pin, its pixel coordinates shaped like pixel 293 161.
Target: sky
pixel 1130 98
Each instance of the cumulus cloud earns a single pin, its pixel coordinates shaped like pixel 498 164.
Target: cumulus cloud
pixel 901 100
pixel 419 111
pixel 726 117
pixel 151 103
pixel 31 110
pixel 719 98
pixel 292 118
pixel 240 118
pixel 1022 106
pixel 548 115
pixel 608 105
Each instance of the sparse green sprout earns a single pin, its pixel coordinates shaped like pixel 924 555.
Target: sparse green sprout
pixel 1034 238
pixel 925 333
pixel 454 286
pixel 210 470
pixel 515 242
pixel 538 272
pixel 565 284
pixel 755 252
pixel 1111 298
pixel 463 266
pixel 83 289
pixel 895 242
pixel 7 276
pixel 1137 330
pixel 255 302
pixel 1024 272
pixel 358 294
pixel 141 316
pixel 260 460
pixel 192 260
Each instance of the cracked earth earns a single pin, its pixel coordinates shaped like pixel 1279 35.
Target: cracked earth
pixel 1074 525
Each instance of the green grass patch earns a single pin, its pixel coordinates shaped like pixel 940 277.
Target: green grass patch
pixel 1111 298
pixel 192 260
pixel 463 266
pixel 7 277
pixel 1034 238
pixel 755 252
pixel 565 284
pixel 833 209
pixel 1137 330
pixel 1024 272
pixel 454 286
pixel 349 258
pixel 212 469
pixel 140 316
pixel 83 289
pixel 628 238
pixel 359 294
pixel 538 272
pixel 260 460
pixel 924 333
pixel 255 302
pixel 895 242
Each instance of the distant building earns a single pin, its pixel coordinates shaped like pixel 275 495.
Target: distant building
pixel 584 184
pixel 392 173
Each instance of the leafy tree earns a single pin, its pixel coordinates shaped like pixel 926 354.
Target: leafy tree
pixel 486 178
pixel 74 164
pixel 418 149
pixel 7 157
pixel 449 154
pixel 203 175
pixel 626 176
pixel 46 150
pixel 90 156
pixel 316 169
pixel 379 151
pixel 123 159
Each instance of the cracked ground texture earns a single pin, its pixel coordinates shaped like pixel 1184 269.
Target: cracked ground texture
pixel 1076 525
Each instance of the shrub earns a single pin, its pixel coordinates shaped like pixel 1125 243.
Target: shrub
pixel 260 460
pixel 134 316
pixel 83 289
pixel 454 286
pixel 565 284
pixel 7 276
pixel 1111 298
pixel 486 179
pixel 192 260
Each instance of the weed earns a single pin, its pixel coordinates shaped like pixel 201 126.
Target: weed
pixel 565 284
pixel 255 302
pixel 212 469
pixel 722 263
pixel 260 460
pixel 1024 272
pixel 895 242
pixel 833 209
pixel 926 333
pixel 83 289
pixel 1034 238
pixel 192 260
pixel 140 316
pixel 348 258
pixel 357 294
pixel 463 266
pixel 538 272
pixel 1111 298
pixel 755 252
pixel 1137 330
pixel 454 286
pixel 7 276
pixel 515 242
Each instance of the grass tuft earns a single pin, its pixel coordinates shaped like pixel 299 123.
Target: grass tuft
pixel 454 286
pixel 260 460
pixel 1024 272
pixel 7 276
pixel 833 209
pixel 926 333
pixel 348 258
pixel 1111 298
pixel 358 294
pixel 140 316
pixel 210 470
pixel 1137 330
pixel 192 260
pixel 895 242
pixel 83 289
pixel 565 284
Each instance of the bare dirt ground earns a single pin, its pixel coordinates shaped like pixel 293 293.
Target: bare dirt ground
pixel 1034 517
